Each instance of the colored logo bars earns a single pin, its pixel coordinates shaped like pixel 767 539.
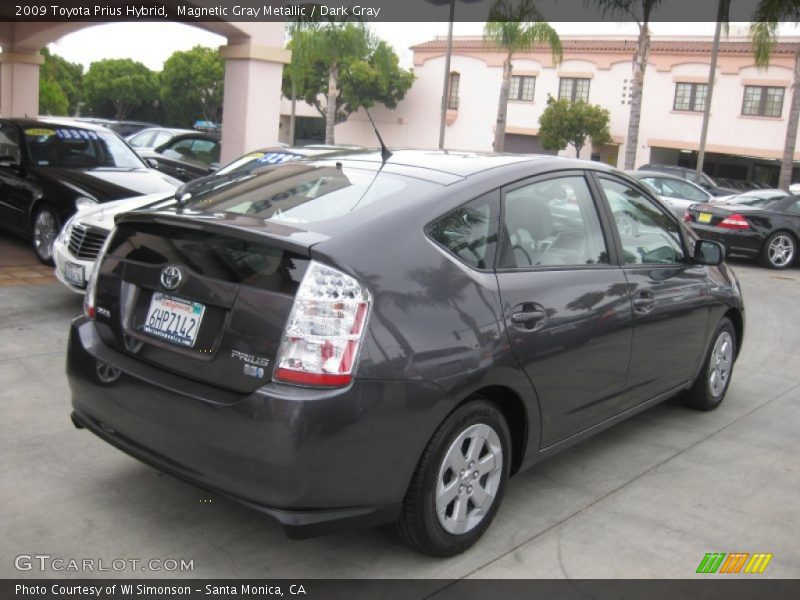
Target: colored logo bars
pixel 735 562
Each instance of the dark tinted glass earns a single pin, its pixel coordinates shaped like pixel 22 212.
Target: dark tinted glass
pixel 310 196
pixel 470 231
pixel 217 256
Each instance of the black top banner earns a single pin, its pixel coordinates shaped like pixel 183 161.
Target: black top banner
pixel 375 10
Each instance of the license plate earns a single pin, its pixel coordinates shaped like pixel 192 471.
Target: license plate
pixel 174 319
pixel 74 274
pixel 704 218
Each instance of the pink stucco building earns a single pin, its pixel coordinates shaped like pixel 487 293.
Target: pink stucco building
pixel 748 115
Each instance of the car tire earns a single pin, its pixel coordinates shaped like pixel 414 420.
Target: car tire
pixel 708 390
pixel 779 251
pixel 440 515
pixel 44 230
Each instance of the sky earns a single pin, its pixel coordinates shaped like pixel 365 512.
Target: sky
pixel 135 40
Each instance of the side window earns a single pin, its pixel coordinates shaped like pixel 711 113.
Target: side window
pixel 160 138
pixel 552 222
pixel 794 208
pixel 654 184
pixel 648 234
pixel 141 140
pixel 470 231
pixel 686 191
pixel 9 142
pixel 205 151
pixel 180 150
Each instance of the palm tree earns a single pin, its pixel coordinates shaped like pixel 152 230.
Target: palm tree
pixel 298 69
pixel 515 26
pixel 640 12
pixel 763 37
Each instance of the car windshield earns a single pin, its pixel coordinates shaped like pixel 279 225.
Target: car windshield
pixel 300 193
pixel 254 160
pixel 77 148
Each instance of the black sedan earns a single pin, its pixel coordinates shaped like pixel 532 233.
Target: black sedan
pixel 49 169
pixel 186 156
pixel 762 224
pixel 368 339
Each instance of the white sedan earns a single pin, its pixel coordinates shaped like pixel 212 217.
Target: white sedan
pixel 82 237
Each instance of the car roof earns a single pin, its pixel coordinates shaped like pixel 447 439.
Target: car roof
pixel 63 122
pixel 661 174
pixel 457 163
pixel 172 130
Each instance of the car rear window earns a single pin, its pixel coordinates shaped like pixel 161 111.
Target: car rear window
pixel 305 195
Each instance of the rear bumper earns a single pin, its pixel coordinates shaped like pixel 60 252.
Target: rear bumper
pixel 317 461
pixel 746 244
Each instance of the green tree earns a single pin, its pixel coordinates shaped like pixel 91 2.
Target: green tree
pixel 59 81
pixel 117 88
pixel 191 86
pixel 300 68
pixel 640 12
pixel 563 123
pixel 335 48
pixel 52 99
pixel 516 25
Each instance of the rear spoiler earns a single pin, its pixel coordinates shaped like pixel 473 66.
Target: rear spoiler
pixel 243 227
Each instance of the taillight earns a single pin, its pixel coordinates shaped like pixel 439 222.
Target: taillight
pixel 326 324
pixel 687 216
pixel 735 221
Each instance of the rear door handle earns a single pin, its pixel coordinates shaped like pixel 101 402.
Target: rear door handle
pixel 644 302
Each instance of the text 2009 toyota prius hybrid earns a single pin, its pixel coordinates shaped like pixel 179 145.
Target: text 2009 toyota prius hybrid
pixel 360 340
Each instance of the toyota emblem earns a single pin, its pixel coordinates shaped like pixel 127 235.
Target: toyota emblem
pixel 171 277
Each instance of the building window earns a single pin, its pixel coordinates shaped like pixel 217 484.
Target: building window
pixel 574 89
pixel 763 101
pixel 452 92
pixel 522 88
pixel 690 96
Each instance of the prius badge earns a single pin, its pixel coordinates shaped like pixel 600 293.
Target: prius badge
pixel 171 277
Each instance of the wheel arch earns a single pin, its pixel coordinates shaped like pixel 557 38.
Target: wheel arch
pixel 513 409
pixel 734 315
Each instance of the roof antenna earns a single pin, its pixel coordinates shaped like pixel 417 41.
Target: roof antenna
pixel 385 152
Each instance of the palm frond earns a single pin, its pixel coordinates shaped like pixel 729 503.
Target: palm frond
pixel 763 37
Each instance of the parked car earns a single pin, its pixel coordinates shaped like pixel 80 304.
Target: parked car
pixel 77 246
pixel 360 340
pixel 690 175
pixel 50 168
pixel 79 242
pixel 186 156
pixel 153 137
pixel 750 226
pixel 675 192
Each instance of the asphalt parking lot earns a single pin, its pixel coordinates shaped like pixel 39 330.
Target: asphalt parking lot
pixel 647 498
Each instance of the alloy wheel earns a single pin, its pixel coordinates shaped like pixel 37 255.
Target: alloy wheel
pixel 45 231
pixel 721 364
pixel 469 479
pixel 781 250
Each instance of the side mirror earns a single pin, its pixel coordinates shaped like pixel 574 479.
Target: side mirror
pixel 708 253
pixel 152 163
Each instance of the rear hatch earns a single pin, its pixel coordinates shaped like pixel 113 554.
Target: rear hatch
pixel 203 299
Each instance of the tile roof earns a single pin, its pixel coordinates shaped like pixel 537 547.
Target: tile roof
pixel 619 45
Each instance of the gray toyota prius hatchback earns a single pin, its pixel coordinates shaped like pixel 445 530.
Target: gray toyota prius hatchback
pixel 371 339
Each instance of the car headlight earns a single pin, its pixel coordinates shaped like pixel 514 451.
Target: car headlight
pixel 84 202
pixel 66 230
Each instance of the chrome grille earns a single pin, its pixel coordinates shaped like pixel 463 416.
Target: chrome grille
pixel 85 242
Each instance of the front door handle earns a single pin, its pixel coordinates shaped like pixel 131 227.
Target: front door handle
pixel 527 316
